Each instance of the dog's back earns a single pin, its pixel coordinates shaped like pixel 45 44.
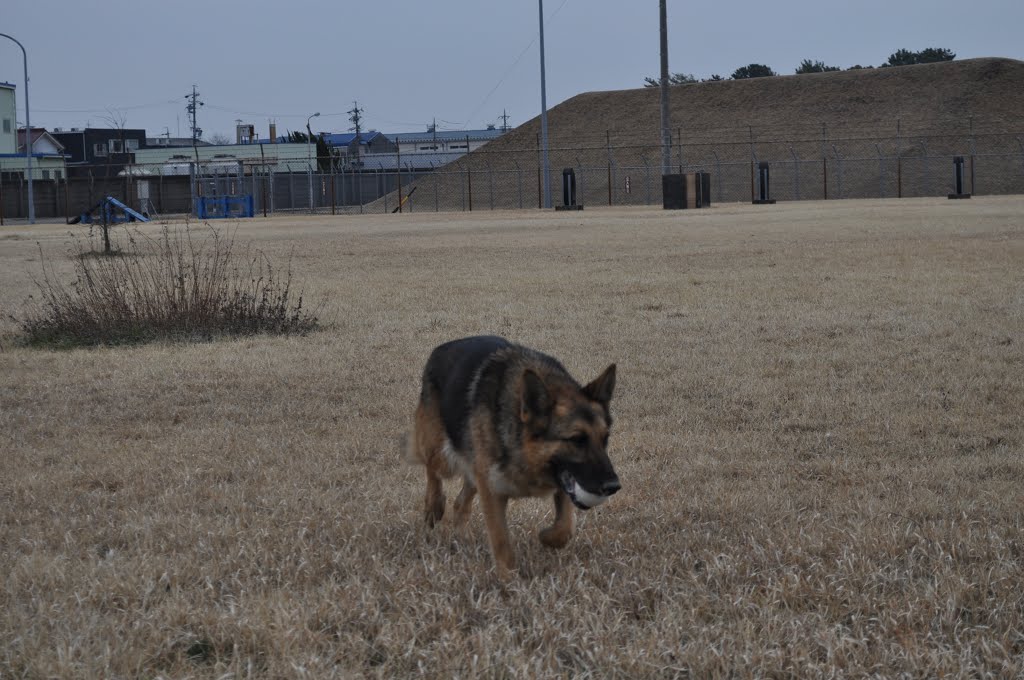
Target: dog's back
pixel 448 381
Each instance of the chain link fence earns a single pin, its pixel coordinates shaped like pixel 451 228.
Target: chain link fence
pixel 614 170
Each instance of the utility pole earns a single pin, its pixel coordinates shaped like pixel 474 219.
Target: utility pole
pixel 544 112
pixel 504 120
pixel 309 157
pixel 193 105
pixel 355 114
pixel 666 123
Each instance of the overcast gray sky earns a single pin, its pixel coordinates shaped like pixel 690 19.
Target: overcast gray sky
pixel 409 61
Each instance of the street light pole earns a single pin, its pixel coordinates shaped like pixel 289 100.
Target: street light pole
pixel 666 122
pixel 28 134
pixel 309 158
pixel 544 114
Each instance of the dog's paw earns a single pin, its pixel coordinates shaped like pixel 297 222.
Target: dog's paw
pixel 555 538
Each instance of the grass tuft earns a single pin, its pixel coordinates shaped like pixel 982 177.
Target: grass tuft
pixel 186 284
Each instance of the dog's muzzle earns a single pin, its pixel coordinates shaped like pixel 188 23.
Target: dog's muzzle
pixel 581 498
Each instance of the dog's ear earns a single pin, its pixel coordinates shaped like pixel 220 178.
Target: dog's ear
pixel 601 389
pixel 535 405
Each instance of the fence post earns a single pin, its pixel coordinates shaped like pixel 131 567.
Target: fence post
pixel 751 180
pixel 753 159
pixel 839 173
pixel 433 175
pixel 334 180
pixel 796 173
pixel 1 199
pixel 974 151
pixel 647 177
pixel 469 182
pixel 580 183
pixel 519 182
pixel 608 138
pixel 408 171
pixel 881 171
pixel 490 181
pixel 398 174
pixel 679 146
pixel 718 173
pixel 899 161
pixel 462 190
pixel 925 158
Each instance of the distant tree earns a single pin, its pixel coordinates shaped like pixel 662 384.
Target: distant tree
pixel 808 66
pixel 673 79
pixel 118 121
pixel 321 148
pixel 933 54
pixel 925 56
pixel 712 78
pixel 752 71
pixel 857 67
pixel 220 138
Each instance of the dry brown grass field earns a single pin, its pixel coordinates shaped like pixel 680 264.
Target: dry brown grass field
pixel 818 431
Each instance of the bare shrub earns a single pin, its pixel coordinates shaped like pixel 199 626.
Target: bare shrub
pixel 185 284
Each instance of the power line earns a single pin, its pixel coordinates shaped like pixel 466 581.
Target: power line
pixel 510 68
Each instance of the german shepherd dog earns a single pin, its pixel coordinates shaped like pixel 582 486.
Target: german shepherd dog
pixel 513 423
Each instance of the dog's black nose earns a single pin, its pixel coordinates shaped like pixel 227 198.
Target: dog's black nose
pixel 610 487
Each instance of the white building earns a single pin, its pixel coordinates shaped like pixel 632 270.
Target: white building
pixel 437 141
pixel 223 159
pixel 47 152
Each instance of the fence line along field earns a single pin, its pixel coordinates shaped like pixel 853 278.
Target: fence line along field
pixel 817 428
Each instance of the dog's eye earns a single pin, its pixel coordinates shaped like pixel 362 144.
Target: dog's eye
pixel 579 440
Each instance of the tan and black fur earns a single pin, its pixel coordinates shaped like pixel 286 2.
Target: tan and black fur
pixel 513 423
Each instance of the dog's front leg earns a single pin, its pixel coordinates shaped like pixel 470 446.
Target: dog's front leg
pixel 560 531
pixel 494 506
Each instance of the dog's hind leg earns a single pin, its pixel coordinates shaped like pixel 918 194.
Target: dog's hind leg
pixel 433 504
pixel 464 503
pixel 427 440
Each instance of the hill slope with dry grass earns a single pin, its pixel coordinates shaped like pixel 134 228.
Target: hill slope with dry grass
pixel 935 98
pixel 869 133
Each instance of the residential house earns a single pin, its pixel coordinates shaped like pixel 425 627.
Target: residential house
pixel 352 152
pixel 109 148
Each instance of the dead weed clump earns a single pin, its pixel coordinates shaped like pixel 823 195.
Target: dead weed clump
pixel 186 284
